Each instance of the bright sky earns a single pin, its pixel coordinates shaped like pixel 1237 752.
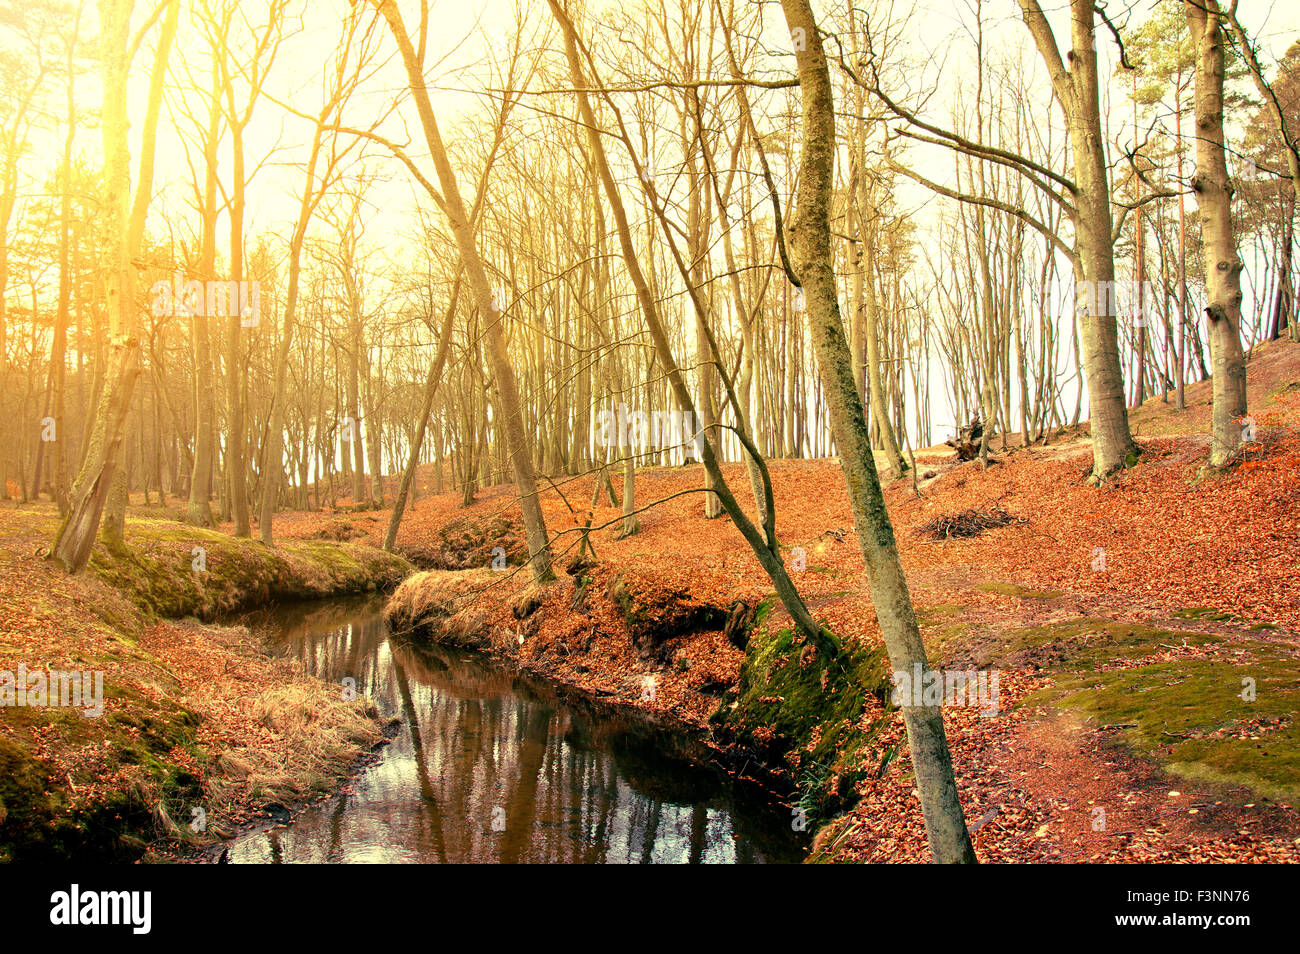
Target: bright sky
pixel 462 35
pixel 463 38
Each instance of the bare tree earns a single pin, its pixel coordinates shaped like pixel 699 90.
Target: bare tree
pixel 123 225
pixel 321 172
pixel 810 256
pixel 490 306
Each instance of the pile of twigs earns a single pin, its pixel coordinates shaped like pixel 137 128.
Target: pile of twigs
pixel 969 523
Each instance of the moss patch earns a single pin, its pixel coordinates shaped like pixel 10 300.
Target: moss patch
pixel 176 571
pixel 1012 589
pixel 927 614
pixel 118 797
pixel 1206 707
pixel 1195 718
pixel 1082 644
pixel 1205 612
pixel 805 716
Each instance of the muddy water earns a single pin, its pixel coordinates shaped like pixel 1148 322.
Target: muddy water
pixel 492 766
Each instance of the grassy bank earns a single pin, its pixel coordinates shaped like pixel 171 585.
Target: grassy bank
pixel 173 570
pixel 200 730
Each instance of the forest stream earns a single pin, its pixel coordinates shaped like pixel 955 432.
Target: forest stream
pixel 491 765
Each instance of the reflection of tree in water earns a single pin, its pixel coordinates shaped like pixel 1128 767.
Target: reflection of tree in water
pixel 572 781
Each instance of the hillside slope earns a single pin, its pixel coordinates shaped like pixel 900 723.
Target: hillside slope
pixel 1125 624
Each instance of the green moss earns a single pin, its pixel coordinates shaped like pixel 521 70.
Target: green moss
pixel 802 714
pixel 43 819
pixel 1012 589
pixel 1191 717
pixel 939 640
pixel 28 803
pixel 176 571
pixel 764 610
pixel 928 614
pixel 1079 644
pixel 1194 716
pixel 1205 612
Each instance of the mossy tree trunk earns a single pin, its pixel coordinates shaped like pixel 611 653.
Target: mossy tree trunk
pixel 811 259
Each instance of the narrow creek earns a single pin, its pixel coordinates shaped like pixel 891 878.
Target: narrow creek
pixel 491 765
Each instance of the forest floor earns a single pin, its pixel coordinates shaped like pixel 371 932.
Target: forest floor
pixel 1144 632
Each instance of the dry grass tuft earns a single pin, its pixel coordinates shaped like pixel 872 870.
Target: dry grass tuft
pixel 443 606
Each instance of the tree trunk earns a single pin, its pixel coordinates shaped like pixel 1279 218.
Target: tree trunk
pixel 273 470
pixel 1282 297
pixel 812 261
pixel 491 311
pixel 121 238
pixel 431 384
pixel 236 461
pixel 1222 263
pixel 1077 91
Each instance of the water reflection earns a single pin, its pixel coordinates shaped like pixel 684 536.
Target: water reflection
pixel 489 766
